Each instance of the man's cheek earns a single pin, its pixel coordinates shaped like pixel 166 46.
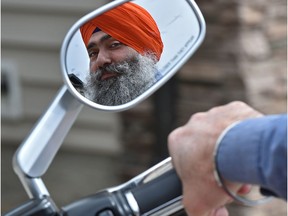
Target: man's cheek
pixel 93 67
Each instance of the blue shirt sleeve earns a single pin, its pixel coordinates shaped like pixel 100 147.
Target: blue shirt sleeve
pixel 254 151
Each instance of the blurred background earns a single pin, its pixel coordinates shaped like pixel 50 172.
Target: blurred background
pixel 243 57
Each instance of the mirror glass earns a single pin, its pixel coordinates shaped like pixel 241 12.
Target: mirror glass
pixel 128 52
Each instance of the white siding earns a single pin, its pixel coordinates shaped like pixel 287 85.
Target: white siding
pixel 32 33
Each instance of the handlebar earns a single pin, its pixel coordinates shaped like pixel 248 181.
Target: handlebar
pixel 35 207
pixel 157 192
pixel 100 204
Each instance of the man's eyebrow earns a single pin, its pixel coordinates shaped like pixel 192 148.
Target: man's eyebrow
pixel 105 37
pixel 102 39
pixel 91 45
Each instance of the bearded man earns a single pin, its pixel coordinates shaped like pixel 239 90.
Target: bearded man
pixel 124 45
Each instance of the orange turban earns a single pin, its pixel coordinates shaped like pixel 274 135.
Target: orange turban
pixel 130 24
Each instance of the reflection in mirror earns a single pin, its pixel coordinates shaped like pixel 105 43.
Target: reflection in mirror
pixel 123 45
pixel 117 56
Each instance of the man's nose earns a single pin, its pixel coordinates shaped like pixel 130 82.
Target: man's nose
pixel 103 58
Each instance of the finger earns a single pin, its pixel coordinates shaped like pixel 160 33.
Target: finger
pixel 220 212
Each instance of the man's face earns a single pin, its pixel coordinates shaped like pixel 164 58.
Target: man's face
pixel 104 50
pixel 118 73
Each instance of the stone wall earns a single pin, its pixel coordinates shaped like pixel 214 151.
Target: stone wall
pixel 263 53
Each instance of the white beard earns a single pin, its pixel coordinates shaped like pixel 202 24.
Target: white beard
pixel 135 76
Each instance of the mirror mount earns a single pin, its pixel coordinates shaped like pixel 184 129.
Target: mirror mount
pixel 35 154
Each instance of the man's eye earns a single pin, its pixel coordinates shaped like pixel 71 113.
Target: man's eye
pixel 93 54
pixel 115 44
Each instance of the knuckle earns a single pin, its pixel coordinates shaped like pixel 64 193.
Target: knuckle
pixel 237 104
pixel 174 136
pixel 197 117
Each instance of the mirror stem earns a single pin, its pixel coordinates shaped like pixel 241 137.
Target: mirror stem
pixel 35 154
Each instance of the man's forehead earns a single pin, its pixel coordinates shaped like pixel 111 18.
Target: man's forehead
pixel 97 38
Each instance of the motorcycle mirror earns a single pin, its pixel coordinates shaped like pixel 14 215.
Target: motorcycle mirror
pixel 181 27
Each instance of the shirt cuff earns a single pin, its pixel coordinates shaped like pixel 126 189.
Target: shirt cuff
pixel 237 154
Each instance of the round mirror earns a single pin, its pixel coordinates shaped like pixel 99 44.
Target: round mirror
pixel 119 54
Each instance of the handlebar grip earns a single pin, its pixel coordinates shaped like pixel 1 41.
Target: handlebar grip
pixel 158 191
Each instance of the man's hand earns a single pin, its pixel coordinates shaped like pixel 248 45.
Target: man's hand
pixel 191 148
